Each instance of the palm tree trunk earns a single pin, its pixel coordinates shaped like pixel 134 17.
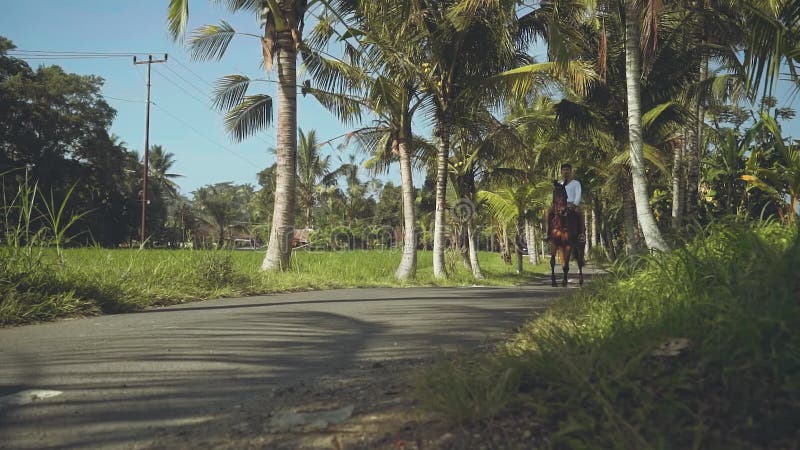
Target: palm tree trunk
pixel 502 241
pixel 587 245
pixel 441 204
pixel 647 221
pixel 533 250
pixel 633 241
pixel 695 150
pixel 677 184
pixel 463 246
pixel 597 221
pixel 408 263
pixel 473 251
pixel 518 242
pixel 279 249
pixel 691 164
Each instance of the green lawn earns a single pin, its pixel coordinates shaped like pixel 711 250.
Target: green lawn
pixel 39 285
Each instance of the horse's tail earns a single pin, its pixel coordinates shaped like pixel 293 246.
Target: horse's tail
pixel 580 253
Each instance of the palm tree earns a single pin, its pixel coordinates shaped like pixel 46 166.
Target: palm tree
pixel 633 69
pixel 373 79
pixel 513 205
pixel 463 44
pixel 161 162
pixel 282 34
pixel 312 173
pixel 222 204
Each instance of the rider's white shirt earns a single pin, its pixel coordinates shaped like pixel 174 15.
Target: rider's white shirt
pixel 573 191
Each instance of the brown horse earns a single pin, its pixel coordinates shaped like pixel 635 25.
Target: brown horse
pixel 563 229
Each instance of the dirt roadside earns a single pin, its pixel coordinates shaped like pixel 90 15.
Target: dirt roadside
pixel 385 415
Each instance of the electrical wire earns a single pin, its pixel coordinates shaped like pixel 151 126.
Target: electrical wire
pixel 204 103
pixel 191 71
pixel 200 133
pixel 123 99
pixel 174 72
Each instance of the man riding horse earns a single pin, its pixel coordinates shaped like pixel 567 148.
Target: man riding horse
pixel 573 188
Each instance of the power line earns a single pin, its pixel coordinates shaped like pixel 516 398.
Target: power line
pixel 192 72
pixel 200 133
pixel 61 52
pixel 203 102
pixel 123 99
pixel 201 91
pixel 64 57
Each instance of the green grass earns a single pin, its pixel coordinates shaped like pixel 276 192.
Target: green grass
pixel 586 375
pixel 41 284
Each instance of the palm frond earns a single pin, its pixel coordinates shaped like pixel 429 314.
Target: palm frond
pixel 501 203
pixel 211 41
pixel 332 74
pixel 346 108
pixel 229 91
pixel 253 114
pixel 177 18
pixel 653 113
pixel 578 75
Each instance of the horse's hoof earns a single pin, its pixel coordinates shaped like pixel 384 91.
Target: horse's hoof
pixel 554 285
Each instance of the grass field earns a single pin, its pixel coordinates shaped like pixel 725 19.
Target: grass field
pixel 40 284
pixel 698 348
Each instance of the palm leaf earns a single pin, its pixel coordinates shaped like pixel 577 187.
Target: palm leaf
pixel 332 74
pixel 229 91
pixel 253 114
pixel 578 75
pixel 346 108
pixel 760 184
pixel 177 18
pixel 210 41
pixel 652 115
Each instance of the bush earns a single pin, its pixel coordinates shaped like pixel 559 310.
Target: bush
pixel 215 269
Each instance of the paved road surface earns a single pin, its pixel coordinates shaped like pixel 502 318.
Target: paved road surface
pixel 121 376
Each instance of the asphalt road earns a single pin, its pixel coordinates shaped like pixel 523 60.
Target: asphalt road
pixel 114 379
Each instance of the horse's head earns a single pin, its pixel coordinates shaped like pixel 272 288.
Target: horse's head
pixel 559 197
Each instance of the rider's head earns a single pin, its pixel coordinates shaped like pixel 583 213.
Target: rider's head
pixel 566 171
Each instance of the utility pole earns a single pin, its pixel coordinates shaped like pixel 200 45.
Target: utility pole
pixel 149 62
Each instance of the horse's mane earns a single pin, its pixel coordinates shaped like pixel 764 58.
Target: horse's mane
pixel 559 196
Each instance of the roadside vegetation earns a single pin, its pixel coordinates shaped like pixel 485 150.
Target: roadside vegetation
pixel 39 284
pixel 696 348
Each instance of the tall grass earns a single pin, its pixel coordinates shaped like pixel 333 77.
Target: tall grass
pixel 693 349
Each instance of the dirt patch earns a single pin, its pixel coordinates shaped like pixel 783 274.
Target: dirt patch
pixel 385 415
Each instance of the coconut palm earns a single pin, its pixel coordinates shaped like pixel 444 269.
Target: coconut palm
pixel 463 44
pixel 282 22
pixel 222 204
pixel 513 205
pixel 382 85
pixel 312 173
pixel 161 162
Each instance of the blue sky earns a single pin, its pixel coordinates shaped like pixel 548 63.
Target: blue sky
pixel 181 119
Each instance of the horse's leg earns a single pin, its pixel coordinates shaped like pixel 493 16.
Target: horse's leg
pixel 553 250
pixel 565 253
pixel 581 262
